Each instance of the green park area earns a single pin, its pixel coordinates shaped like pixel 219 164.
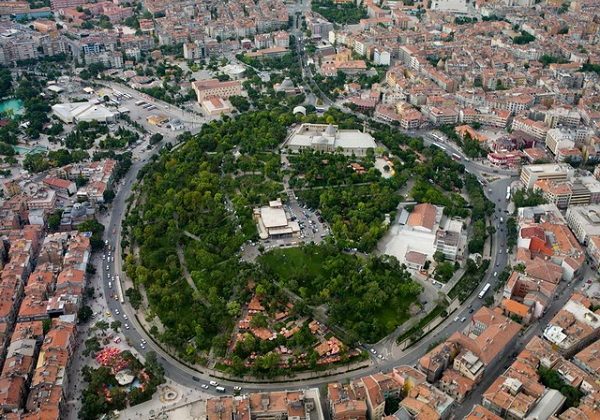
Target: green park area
pixel 193 214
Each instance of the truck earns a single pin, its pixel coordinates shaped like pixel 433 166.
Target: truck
pixel 220 389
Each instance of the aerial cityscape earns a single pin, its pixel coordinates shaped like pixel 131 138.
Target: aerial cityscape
pixel 300 209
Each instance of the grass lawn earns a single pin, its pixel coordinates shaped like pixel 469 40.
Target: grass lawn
pixel 293 261
pixel 394 314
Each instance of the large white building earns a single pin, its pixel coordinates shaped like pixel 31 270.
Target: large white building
pixel 328 138
pixel 273 222
pixel 423 232
pixel 584 221
pixel 75 112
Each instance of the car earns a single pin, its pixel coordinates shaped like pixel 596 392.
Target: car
pixel 117 340
pixel 380 356
pixel 213 383
pixel 495 274
pixel 204 386
pixel 126 318
pixel 500 252
pixel 373 351
pixel 456 319
pixel 195 378
pixel 471 310
pixel 143 346
pixel 463 319
pixel 126 326
pixel 144 341
pixel 116 297
pixel 237 388
pixel 117 312
pixel 107 268
pixel 508 250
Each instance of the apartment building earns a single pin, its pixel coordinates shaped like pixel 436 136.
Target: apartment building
pixel 574 327
pixel 530 174
pixel 194 50
pixel 64 4
pixel 584 222
pixel 440 115
pixel 536 129
pixel 559 139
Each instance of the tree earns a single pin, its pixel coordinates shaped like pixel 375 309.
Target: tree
pixel 46 325
pixel 92 345
pixel 156 138
pixel 85 314
pixel 54 220
pixel 135 297
pixel 108 196
pixel 102 326
pixel 259 320
pixel 438 256
pixel 97 230
pixel 115 325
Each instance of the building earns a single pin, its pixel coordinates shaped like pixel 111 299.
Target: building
pixel 329 138
pixel 216 106
pixel 418 235
pixel 426 402
pixel 210 88
pixel 574 327
pixel 584 221
pixel 83 111
pixel 61 186
pixel 273 222
pixel 530 174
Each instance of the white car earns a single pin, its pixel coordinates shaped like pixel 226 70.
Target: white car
pixel 126 326
pixel 126 318
pixel 117 312
pixel 213 383
pixel 204 386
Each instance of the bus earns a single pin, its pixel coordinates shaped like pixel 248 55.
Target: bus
pixel 456 156
pixel 436 136
pixel 439 146
pixel 507 193
pixel 119 289
pixel 220 389
pixel 138 103
pixel 484 290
